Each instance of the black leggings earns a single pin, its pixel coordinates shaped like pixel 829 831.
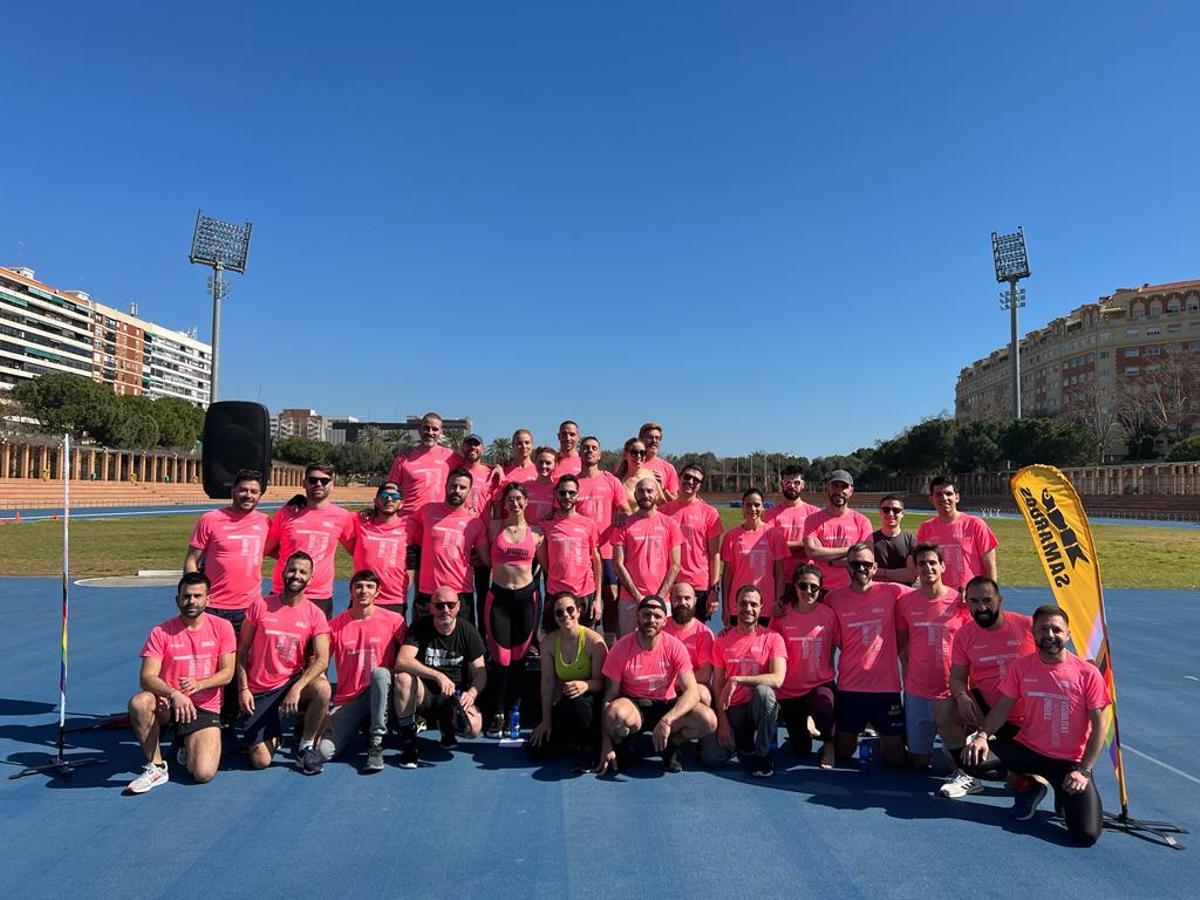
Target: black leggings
pixel 794 713
pixel 510 616
pixel 1083 812
pixel 574 723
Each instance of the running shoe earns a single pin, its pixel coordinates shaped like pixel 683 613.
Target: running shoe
pixel 408 750
pixel 310 762
pixel 670 758
pixel 152 776
pixel 960 785
pixel 495 727
pixel 1025 803
pixel 375 755
pixel 763 767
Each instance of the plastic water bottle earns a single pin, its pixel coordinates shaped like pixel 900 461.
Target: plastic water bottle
pixel 459 719
pixel 514 723
pixel 864 756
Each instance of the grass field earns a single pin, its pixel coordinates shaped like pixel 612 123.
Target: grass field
pixel 1130 556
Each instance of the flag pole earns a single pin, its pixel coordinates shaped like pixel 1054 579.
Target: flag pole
pixel 60 763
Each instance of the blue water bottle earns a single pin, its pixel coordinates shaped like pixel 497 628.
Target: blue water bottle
pixel 864 756
pixel 514 723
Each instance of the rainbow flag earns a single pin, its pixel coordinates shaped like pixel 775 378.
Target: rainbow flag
pixel 1063 540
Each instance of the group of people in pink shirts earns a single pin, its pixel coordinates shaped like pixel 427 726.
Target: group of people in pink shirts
pixel 645 616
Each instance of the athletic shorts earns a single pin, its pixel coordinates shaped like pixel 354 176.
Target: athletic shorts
pixel 234 617
pixel 1008 730
pixel 652 711
pixel 264 723
pixel 608 572
pixel 204 719
pixel 855 710
pixel 920 727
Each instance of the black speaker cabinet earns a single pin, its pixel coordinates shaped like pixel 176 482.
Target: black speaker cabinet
pixel 237 435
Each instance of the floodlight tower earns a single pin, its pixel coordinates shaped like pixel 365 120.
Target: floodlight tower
pixel 1012 264
pixel 221 245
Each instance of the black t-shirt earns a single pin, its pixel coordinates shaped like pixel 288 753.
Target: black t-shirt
pixel 451 654
pixel 892 552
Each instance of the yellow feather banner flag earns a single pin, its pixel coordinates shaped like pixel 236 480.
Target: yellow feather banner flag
pixel 1063 540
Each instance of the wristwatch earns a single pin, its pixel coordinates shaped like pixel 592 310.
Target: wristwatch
pixel 1084 771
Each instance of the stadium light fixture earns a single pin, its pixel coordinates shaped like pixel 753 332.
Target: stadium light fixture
pixel 219 245
pixel 1012 265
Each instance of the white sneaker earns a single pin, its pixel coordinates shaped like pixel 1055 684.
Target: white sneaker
pixel 152 776
pixel 960 785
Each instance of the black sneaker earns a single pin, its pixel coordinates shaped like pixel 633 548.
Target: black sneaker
pixel 495 727
pixel 670 758
pixel 408 750
pixel 375 755
pixel 449 739
pixel 310 762
pixel 763 767
pixel 1025 803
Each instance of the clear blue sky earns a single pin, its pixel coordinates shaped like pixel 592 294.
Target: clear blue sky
pixel 764 224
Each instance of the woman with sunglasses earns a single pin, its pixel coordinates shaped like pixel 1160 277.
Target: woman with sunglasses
pixel 541 489
pixel 632 469
pixel 510 610
pixel 809 630
pixel 380 544
pixel 753 553
pixel 572 682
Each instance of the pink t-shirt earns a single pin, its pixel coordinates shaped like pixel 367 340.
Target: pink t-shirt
pixel 964 542
pixel 600 496
pixel 670 478
pixel 696 637
pixel 519 474
pixel 382 548
pixel 359 645
pixel 790 520
pixel 647 541
pixel 867 638
pixel 570 542
pixel 746 654
pixel 931 626
pixel 421 474
pixel 483 489
pixel 233 544
pixel 317 532
pixel 446 536
pixel 989 653
pixel 751 557
pixel 699 523
pixel 1057 698
pixel 541 501
pixel 846 530
pixel 281 634
pixel 810 638
pixel 192 654
pixel 647 674
pixel 567 465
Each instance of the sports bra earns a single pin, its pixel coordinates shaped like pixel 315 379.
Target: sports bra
pixel 578 669
pixel 519 554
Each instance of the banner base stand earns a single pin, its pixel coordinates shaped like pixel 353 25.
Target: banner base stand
pixel 1155 832
pixel 61 765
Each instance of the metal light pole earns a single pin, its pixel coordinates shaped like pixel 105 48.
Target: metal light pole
pixel 1012 264
pixel 220 245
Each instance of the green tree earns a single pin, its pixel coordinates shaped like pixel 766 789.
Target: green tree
pixel 976 447
pixel 1186 450
pixel 358 460
pixel 62 402
pixel 179 423
pixel 301 450
pixel 499 451
pixel 1048 441
pixel 926 447
pixel 131 424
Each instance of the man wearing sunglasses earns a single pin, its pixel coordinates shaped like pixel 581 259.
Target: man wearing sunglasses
pixel 316 528
pixel 572 555
pixel 440 668
pixel 893 545
pixel 380 545
pixel 700 552
pixel 868 680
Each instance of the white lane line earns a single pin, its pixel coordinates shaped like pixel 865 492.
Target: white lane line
pixel 1191 677
pixel 1159 762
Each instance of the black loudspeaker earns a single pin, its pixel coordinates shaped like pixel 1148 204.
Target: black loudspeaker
pixel 237 435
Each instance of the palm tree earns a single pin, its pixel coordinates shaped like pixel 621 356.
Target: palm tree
pixel 499 451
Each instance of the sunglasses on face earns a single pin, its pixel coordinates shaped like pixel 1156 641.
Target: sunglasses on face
pixel 891 510
pixel 568 493
pixel 691 479
pixel 445 604
pixel 808 587
pixel 636 452
pixel 565 613
pixel 860 565
pixel 388 495
pixel 314 480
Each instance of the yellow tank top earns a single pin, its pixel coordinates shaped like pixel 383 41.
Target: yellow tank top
pixel 580 668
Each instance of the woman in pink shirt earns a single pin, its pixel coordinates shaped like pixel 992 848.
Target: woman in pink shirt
pixel 510 610
pixel 753 553
pixel 520 468
pixel 541 490
pixel 632 468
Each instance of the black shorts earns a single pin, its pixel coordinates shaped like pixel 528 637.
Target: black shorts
pixel 855 710
pixel 204 719
pixel 652 711
pixel 264 723
pixel 1008 730
pixel 234 617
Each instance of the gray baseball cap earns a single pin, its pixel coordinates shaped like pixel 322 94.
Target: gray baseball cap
pixel 840 475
